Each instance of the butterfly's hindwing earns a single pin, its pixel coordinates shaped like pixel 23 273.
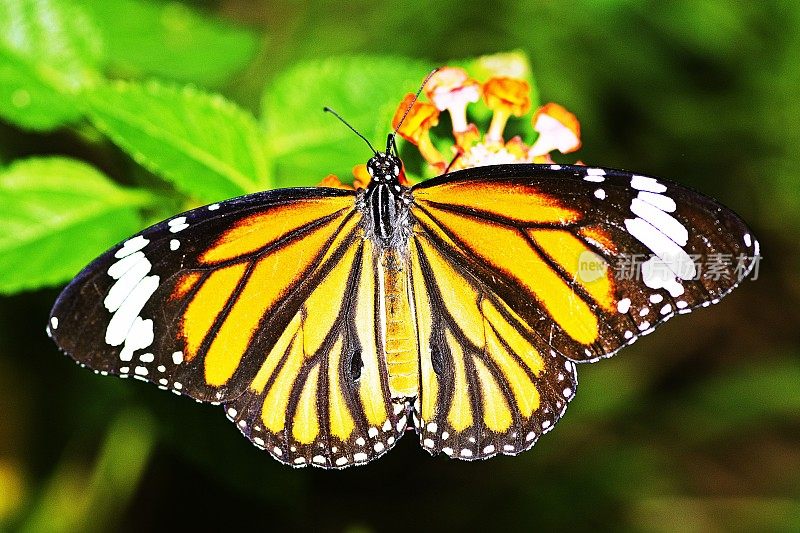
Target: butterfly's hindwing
pixel 321 396
pixel 489 384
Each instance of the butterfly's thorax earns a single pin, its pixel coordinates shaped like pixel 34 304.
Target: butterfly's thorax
pixel 385 203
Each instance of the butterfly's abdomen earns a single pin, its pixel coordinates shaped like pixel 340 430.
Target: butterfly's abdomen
pixel 400 334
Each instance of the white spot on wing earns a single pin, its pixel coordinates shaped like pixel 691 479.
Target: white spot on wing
pixel 54 322
pixel 117 269
pixel 600 194
pixel 643 183
pixel 125 285
pixel 131 245
pixel 657 274
pixel 177 224
pixel 747 240
pixel 174 244
pixel 670 254
pixel 624 305
pixel 138 337
pixel 665 203
pixel 213 207
pixel 595 175
pixel 123 319
pixel 665 223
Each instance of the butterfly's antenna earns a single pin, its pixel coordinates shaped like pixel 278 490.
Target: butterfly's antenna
pixel 411 104
pixel 335 114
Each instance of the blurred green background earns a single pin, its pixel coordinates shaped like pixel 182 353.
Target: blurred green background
pixel 694 428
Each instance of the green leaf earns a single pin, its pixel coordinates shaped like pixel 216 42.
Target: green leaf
pixel 307 144
pixel 206 145
pixel 57 215
pixel 169 40
pixel 49 51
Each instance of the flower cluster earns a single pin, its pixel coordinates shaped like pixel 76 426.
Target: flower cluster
pixel 451 90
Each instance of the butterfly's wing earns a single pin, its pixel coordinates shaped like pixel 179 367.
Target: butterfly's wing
pixel 263 303
pixel 527 268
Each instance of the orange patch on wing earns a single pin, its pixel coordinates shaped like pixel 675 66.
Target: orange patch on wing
pixel 508 252
pixel 185 284
pixel 599 236
pixel 206 306
pixel 257 231
pixel 271 279
pixel 522 203
pixel 584 266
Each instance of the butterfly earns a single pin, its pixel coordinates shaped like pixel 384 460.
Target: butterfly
pixel 328 322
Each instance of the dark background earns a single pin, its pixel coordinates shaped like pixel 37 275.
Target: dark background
pixel 693 428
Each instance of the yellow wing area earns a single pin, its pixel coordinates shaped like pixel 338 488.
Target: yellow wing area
pixel 488 383
pixel 525 246
pixel 321 396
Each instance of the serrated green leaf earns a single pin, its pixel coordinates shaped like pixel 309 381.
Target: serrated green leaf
pixel 307 144
pixel 169 40
pixel 206 145
pixel 57 215
pixel 49 51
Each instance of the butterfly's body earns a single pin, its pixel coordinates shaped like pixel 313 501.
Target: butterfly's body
pixel 328 321
pixel 398 325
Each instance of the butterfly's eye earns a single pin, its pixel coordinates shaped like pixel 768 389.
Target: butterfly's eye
pixel 356 364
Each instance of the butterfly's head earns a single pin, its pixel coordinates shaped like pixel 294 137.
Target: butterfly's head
pixel 384 167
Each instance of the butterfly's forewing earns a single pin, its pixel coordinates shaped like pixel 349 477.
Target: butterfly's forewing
pixel 524 269
pixel 590 258
pixel 258 303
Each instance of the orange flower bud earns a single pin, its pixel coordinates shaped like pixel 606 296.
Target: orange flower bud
pixel 361 177
pixel 332 180
pixel 558 130
pixel 508 94
pixel 506 97
pixel 416 127
pixel 420 118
